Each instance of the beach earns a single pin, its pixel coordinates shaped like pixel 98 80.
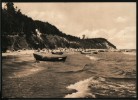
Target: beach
pixel 102 75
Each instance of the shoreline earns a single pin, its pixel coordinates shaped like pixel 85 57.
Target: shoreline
pixel 27 81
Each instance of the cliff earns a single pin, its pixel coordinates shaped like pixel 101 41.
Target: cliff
pixel 20 31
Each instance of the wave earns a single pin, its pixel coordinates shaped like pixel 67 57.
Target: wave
pixel 86 67
pixel 130 53
pixel 123 73
pixel 82 89
pixel 92 57
pixel 27 72
pixel 95 87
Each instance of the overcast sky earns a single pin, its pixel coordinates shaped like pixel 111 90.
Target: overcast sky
pixel 114 21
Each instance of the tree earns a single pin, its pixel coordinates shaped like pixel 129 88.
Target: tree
pixel 10 7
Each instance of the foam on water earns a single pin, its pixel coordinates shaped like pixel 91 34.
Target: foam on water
pixel 94 87
pixel 130 53
pixel 92 57
pixel 82 89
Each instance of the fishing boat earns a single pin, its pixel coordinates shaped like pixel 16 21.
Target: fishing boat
pixel 58 53
pixel 95 52
pixel 86 52
pixel 49 57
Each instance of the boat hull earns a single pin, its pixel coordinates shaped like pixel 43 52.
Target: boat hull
pixel 82 52
pixel 49 58
pixel 58 53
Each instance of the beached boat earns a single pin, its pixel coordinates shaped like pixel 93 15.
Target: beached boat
pixel 49 57
pixel 86 52
pixel 58 53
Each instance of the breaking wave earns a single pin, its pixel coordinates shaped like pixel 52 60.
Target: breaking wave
pixel 95 87
pixel 92 57
pixel 26 72
pixel 130 53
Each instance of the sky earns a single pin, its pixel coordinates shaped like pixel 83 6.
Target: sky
pixel 114 21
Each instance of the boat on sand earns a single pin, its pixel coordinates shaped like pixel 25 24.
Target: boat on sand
pixel 49 57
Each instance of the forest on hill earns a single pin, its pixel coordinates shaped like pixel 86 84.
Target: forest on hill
pixel 20 31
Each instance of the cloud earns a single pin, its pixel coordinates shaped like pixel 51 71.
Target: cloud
pixel 104 33
pixel 45 15
pixel 123 39
pixel 36 16
pixel 121 19
pixel 55 18
pixel 113 23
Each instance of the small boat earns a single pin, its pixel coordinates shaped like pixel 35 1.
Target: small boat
pixel 101 50
pixel 86 52
pixel 95 52
pixel 49 57
pixel 58 53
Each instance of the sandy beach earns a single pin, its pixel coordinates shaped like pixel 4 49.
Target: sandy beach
pixel 102 75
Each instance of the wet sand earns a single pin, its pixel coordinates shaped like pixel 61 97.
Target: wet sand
pixel 22 77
